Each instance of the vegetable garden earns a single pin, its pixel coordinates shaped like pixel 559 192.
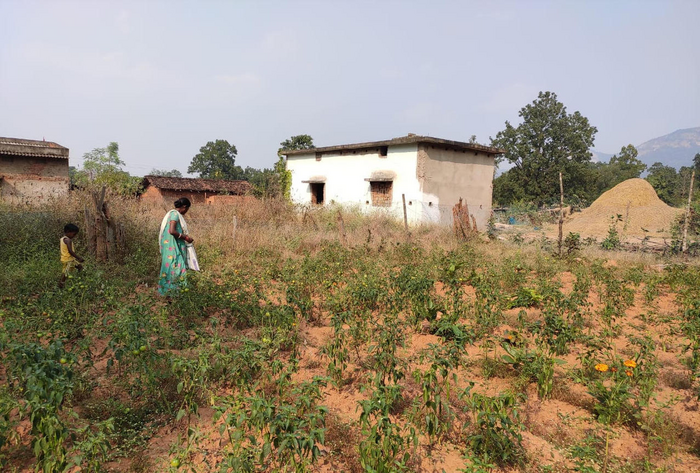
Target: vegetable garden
pixel 388 353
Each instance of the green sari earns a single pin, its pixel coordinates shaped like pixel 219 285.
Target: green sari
pixel 173 254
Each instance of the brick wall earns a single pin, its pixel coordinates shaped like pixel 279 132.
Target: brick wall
pixel 381 193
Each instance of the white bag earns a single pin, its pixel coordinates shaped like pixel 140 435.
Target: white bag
pixel 192 262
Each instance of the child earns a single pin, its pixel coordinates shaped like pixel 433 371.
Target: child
pixel 69 259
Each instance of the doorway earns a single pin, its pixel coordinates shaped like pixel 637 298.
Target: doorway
pixel 317 192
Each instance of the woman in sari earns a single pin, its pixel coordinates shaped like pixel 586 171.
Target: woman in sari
pixel 173 240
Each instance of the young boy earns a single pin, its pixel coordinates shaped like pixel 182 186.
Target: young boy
pixel 69 259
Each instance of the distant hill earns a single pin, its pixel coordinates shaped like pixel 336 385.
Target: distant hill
pixel 600 157
pixel 675 149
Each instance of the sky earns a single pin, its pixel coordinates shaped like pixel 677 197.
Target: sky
pixel 164 78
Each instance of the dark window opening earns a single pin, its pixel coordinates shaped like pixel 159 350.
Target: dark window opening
pixel 383 150
pixel 381 193
pixel 8 159
pixel 317 192
pixel 318 156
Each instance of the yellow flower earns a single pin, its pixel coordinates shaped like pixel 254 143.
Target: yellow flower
pixel 628 373
pixel 630 363
pixel 602 367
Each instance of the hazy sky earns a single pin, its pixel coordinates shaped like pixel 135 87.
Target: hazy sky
pixel 163 78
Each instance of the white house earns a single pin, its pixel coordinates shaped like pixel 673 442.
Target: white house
pixel 431 173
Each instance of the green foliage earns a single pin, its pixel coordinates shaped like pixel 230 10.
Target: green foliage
pixel 612 240
pixel 46 380
pixel 164 173
pixel 386 446
pixel 526 297
pixel 664 180
pixel 434 410
pixel 102 167
pixel 216 160
pixel 496 432
pixel 548 141
pixel 295 143
pixel 267 432
pixel 622 166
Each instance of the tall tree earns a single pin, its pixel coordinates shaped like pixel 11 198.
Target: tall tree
pixel 297 142
pixel 164 173
pixel 548 141
pixel 216 160
pixel 664 180
pixel 622 166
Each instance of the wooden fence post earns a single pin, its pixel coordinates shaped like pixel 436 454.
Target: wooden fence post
pixel 684 246
pixel 405 215
pixel 341 229
pixel 561 214
pixel 235 227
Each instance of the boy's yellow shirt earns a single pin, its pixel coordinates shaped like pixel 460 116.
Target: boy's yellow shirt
pixel 65 255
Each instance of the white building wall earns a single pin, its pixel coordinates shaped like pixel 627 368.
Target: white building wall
pixel 345 176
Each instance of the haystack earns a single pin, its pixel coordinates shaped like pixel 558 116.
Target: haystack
pixel 636 201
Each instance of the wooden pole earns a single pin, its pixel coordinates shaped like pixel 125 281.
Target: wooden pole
pixel 405 216
pixel 235 227
pixel 341 229
pixel 687 213
pixel 561 213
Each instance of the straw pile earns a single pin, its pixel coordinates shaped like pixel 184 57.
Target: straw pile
pixel 636 201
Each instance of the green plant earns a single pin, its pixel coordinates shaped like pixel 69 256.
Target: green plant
pixel 386 446
pixel 433 409
pixel 612 240
pixel 495 435
pixel 46 377
pixel 572 244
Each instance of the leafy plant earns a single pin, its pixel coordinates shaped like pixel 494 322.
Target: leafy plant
pixel 495 436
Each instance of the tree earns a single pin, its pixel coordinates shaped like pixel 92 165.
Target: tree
pixel 102 167
pixel 621 167
pixel 162 173
pixel 216 160
pixel 627 164
pixel 664 180
pixel 297 142
pixel 548 141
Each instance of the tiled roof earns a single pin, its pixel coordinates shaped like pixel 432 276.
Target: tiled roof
pixel 198 185
pixel 409 139
pixel 20 147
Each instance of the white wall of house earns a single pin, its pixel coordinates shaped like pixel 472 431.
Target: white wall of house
pixel 345 176
pixel 432 178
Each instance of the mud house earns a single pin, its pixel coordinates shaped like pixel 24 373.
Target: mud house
pixel 431 173
pixel 32 171
pixel 167 190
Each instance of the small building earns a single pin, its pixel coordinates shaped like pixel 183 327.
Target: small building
pixel 432 174
pixel 158 189
pixel 32 171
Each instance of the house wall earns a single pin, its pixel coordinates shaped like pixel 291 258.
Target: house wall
pixel 31 180
pixel 168 197
pixel 345 174
pixel 447 174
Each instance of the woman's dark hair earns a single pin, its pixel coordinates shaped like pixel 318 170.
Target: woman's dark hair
pixel 71 227
pixel 182 202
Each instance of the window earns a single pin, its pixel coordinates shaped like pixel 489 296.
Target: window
pixel 317 192
pixel 381 193
pixel 383 150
